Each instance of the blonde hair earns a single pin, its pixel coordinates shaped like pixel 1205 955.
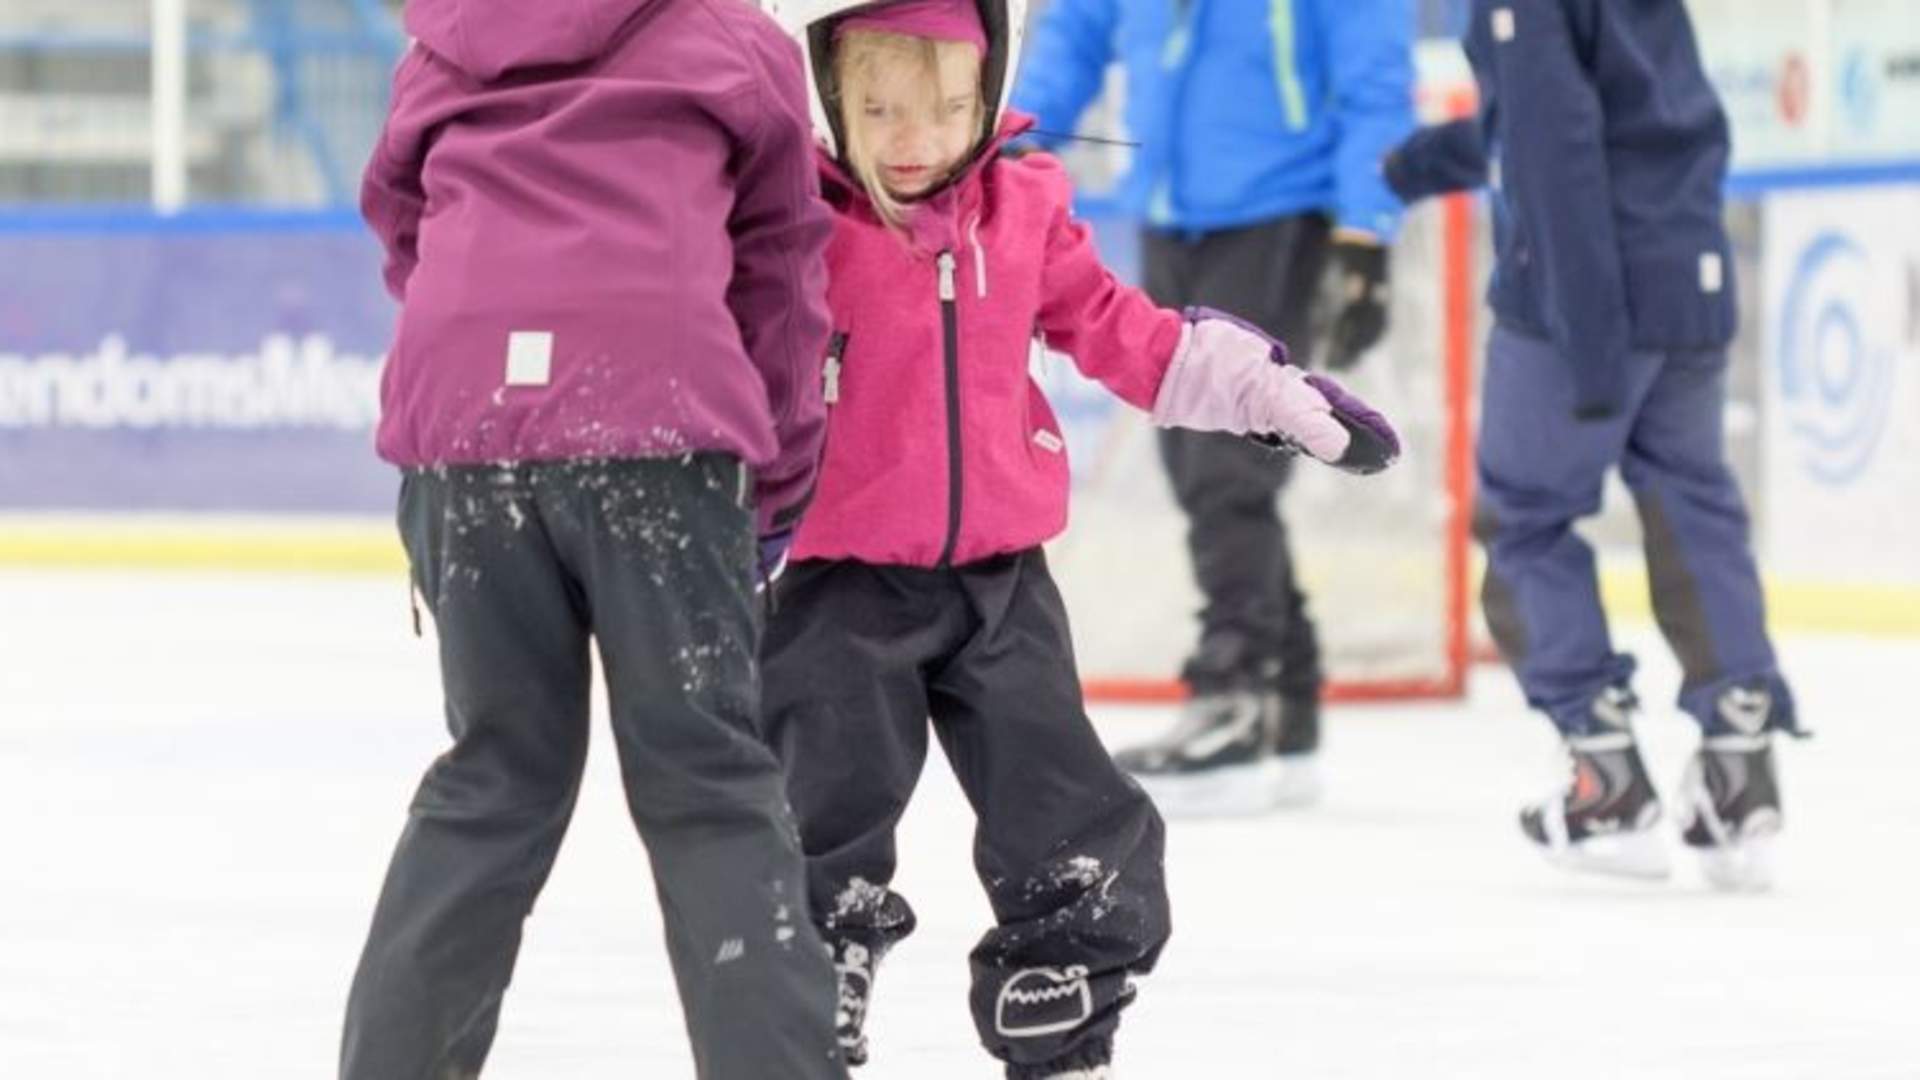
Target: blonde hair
pixel 858 60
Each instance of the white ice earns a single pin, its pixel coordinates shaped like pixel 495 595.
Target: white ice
pixel 201 777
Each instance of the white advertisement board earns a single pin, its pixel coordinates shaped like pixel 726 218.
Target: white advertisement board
pixel 1762 59
pixel 1874 73
pixel 1841 385
pixel 1811 81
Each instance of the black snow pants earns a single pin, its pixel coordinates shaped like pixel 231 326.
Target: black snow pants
pixel 522 566
pixel 857 659
pixel 1254 628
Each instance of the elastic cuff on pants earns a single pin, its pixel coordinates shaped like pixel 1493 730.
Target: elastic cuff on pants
pixel 1088 1055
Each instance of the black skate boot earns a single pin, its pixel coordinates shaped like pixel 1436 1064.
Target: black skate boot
pixel 1218 760
pixel 1604 820
pixel 880 919
pixel 1730 795
pixel 1297 747
pixel 1299 726
pixel 853 964
pixel 1090 1060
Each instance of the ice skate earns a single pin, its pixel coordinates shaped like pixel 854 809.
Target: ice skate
pixel 1298 748
pixel 853 963
pixel 1730 811
pixel 1604 821
pixel 1221 759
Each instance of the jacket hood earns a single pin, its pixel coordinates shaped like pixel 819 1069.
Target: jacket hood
pixel 489 38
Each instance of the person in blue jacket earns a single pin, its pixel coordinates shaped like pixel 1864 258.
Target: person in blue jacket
pixel 1260 127
pixel 1613 297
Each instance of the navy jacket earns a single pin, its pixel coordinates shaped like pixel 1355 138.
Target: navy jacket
pixel 1607 150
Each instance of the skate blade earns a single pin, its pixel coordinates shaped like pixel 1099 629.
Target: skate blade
pixel 1238 790
pixel 1640 855
pixel 1746 865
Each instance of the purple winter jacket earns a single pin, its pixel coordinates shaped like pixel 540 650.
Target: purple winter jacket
pixel 602 220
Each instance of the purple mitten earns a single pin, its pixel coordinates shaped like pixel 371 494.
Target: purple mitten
pixel 1227 375
pixel 1372 443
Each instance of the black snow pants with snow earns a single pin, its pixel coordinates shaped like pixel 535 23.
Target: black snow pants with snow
pixel 857 659
pixel 523 567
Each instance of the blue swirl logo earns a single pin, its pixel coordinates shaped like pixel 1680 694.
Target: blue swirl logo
pixel 1836 371
pixel 1860 90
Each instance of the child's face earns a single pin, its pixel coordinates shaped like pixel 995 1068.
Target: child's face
pixel 918 133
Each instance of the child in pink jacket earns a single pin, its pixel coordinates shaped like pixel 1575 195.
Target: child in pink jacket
pixel 919 588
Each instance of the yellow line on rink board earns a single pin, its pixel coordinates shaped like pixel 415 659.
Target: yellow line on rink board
pixel 1796 605
pixel 354 546
pixel 171 545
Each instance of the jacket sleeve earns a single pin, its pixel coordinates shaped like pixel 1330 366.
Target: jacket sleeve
pixel 1369 53
pixel 780 229
pixel 1555 180
pixel 1439 160
pixel 1114 333
pixel 1065 64
pixel 391 196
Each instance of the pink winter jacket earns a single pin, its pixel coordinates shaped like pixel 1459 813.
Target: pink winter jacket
pixel 937 456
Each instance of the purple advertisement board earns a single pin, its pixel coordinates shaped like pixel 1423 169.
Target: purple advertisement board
pixel 224 361
pixel 208 362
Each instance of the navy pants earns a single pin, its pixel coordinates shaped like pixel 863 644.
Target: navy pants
pixel 524 568
pixel 858 660
pixel 1539 470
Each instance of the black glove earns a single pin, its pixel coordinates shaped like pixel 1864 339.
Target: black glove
pixel 1352 315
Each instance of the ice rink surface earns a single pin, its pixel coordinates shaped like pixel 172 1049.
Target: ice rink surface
pixel 202 777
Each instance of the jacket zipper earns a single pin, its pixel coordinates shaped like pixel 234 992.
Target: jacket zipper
pixel 829 395
pixel 950 342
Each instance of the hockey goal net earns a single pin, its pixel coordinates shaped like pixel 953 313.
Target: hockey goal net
pixel 1383 559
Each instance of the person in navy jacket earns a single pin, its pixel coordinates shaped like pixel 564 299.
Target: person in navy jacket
pixel 1613 295
pixel 1261 125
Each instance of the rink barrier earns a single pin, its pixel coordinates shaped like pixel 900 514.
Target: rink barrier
pixel 370 546
pixel 53 537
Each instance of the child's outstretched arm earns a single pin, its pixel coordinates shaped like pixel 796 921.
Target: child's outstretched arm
pixel 1230 376
pixel 1199 370
pixel 391 196
pixel 780 229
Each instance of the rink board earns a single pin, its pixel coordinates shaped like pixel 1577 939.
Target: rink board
pixel 201 391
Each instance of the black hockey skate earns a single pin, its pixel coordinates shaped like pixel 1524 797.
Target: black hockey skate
pixel 1299 726
pixel 1730 794
pixel 867 921
pixel 1730 810
pixel 1091 1072
pixel 1222 758
pixel 1605 820
pixel 853 965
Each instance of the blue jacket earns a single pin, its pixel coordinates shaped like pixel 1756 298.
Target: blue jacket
pixel 1246 110
pixel 1610 153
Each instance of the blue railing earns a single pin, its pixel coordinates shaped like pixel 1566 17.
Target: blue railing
pixel 292 35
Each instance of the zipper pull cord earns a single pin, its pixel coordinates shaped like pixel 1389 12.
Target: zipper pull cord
pixel 945 261
pixel 979 259
pixel 836 346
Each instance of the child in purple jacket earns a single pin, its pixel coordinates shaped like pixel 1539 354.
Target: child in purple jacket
pixel 602 221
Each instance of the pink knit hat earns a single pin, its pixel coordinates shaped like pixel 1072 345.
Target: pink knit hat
pixel 941 20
